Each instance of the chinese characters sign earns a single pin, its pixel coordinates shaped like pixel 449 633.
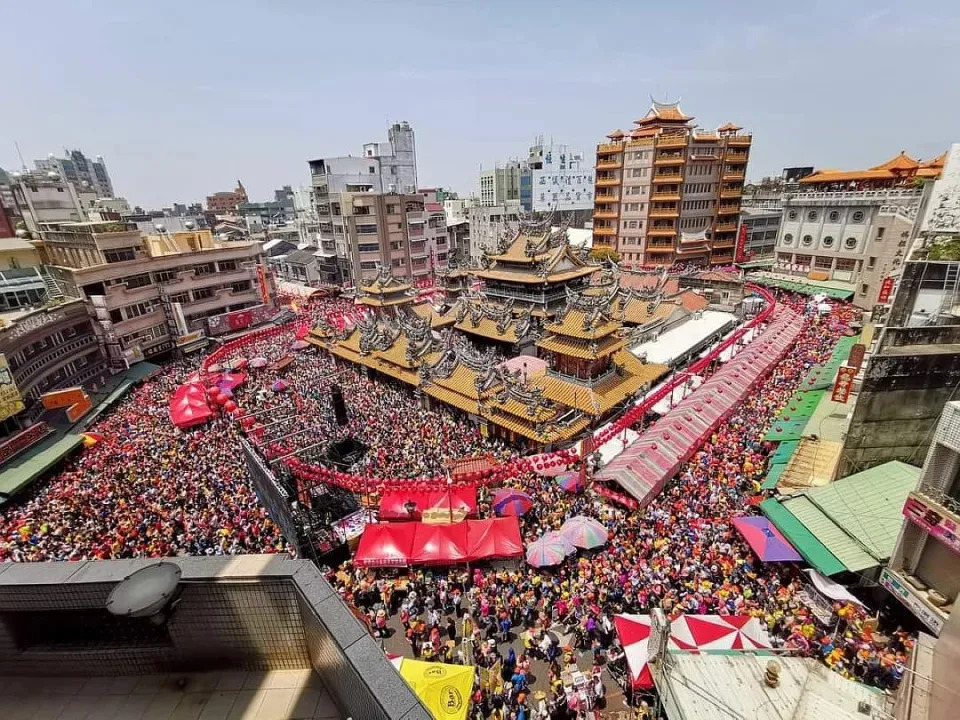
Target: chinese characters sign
pixel 886 290
pixel 10 401
pixel 843 384
pixel 943 528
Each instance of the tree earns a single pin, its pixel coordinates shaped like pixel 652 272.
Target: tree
pixel 603 254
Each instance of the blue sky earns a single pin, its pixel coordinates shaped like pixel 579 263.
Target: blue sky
pixel 182 98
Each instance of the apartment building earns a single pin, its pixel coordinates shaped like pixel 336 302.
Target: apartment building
pixel 554 177
pixel 80 171
pixel 228 202
pixel 435 228
pixel 853 226
pixel 49 346
pixel 46 196
pixel 500 184
pixel 489 222
pixel 385 168
pixel 151 292
pixel 668 193
pixel 924 570
pixel 757 232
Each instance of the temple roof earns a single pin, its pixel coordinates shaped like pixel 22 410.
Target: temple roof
pixel 616 134
pixel 437 320
pixel 729 127
pixel 898 163
pixel 385 289
pixel 589 350
pixel 664 112
pixel 494 322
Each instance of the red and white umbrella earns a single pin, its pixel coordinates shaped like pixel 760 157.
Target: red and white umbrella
pixel 693 633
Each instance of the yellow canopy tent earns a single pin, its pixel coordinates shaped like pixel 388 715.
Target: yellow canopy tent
pixel 445 689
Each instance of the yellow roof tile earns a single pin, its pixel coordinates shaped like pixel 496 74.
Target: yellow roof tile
pixel 581 348
pixel 578 323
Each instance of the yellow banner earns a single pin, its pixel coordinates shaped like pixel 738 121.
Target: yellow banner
pixel 445 689
pixel 10 401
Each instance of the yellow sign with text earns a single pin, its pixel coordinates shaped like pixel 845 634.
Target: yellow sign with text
pixel 10 401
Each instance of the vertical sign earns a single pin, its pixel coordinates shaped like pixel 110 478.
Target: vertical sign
pixel 886 290
pixel 262 282
pixel 10 401
pixel 843 384
pixel 855 359
pixel 741 255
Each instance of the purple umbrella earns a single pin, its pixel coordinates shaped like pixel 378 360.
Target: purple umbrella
pixel 510 501
pixel 570 482
pixel 279 386
pixel 767 542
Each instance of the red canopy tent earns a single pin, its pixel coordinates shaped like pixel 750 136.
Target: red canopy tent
pixel 393 502
pixel 439 544
pixel 494 538
pixel 385 544
pixel 189 406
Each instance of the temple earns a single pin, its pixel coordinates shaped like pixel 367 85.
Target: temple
pixel 900 170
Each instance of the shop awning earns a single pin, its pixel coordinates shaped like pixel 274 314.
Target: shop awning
pixel 385 545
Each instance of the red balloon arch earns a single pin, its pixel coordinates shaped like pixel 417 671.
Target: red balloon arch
pixel 498 474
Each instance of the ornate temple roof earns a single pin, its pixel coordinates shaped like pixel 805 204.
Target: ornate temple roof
pixel 585 317
pixel 898 163
pixel 663 112
pixel 476 316
pixel 729 127
pixel 616 134
pixel 386 289
pixel 897 168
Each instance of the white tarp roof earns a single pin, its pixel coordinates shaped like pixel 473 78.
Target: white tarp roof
pixel 674 343
pixel 285 287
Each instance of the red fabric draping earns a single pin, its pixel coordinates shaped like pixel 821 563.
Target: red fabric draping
pixel 494 538
pixel 385 544
pixel 439 544
pixel 189 406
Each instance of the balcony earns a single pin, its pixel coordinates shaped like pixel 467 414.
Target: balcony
pixel 739 140
pixel 609 165
pixel 415 217
pixel 605 215
pixel 664 213
pixel 729 209
pixel 732 176
pixel 853 197
pixel 731 193
pixel 660 245
pixel 141 322
pixel 672 141
pixel 711 156
pixel 640 142
pixel 723 243
pixel 609 148
pixel 606 182
pixel 119 295
pixel 736 156
pixel 606 197
pixel 661 232
pixel 673 158
pixel 669 197
pixel 676 178
pixel 660 249
pixel 725 227
pixel 914 598
pixel 604 231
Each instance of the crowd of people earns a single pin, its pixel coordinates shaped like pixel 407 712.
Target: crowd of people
pixel 680 553
pixel 149 489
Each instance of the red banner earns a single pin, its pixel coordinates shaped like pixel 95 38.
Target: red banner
pixel 855 359
pixel 742 255
pixel 886 290
pixel 240 319
pixel 262 283
pixel 843 384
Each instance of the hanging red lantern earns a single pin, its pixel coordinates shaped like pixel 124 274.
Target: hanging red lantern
pixel 229 406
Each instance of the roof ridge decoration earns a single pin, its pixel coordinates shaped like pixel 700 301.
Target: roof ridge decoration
pixel 515 388
pixel 374 335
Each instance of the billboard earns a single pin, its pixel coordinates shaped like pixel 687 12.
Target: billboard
pixel 10 401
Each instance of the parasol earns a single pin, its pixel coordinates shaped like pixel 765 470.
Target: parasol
pixel 570 482
pixel 545 551
pixel 510 501
pixel 259 362
pixel 584 532
pixel 765 540
pixel 279 386
pixel 300 345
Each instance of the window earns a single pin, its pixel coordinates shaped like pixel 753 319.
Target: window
pixel 812 216
pixel 205 269
pixel 827 242
pixel 368 247
pixel 823 263
pixel 880 231
pixel 807 240
pixel 203 294
pixel 180 298
pixel 392 209
pixel 241 286
pixel 138 309
pixel 115 256
pixel 871 263
pixel 864 288
pixel 850 243
pixel 367 229
pixel 858 216
pixel 227 265
pixel 846 264
pixel 792 215
pixel 788 239
pixel 166 276
pixel 802 260
pixel 834 216
pixel 369 265
pixel 372 170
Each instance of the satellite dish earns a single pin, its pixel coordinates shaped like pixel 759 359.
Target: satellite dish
pixel 160 228
pixel 189 225
pixel 146 593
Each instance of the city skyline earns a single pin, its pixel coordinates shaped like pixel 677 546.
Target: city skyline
pixel 831 86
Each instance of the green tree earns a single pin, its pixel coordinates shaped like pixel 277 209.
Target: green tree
pixel 603 254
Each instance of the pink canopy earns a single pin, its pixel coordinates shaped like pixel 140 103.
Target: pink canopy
pixel 385 544
pixel 462 498
pixel 692 633
pixel 439 544
pixel 189 406
pixel 494 538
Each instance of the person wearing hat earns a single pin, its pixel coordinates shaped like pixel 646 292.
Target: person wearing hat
pixel 542 711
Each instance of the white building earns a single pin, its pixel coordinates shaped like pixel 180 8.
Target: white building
pixel 501 184
pixel 489 222
pixel 44 197
pixel 852 226
pixel 556 179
